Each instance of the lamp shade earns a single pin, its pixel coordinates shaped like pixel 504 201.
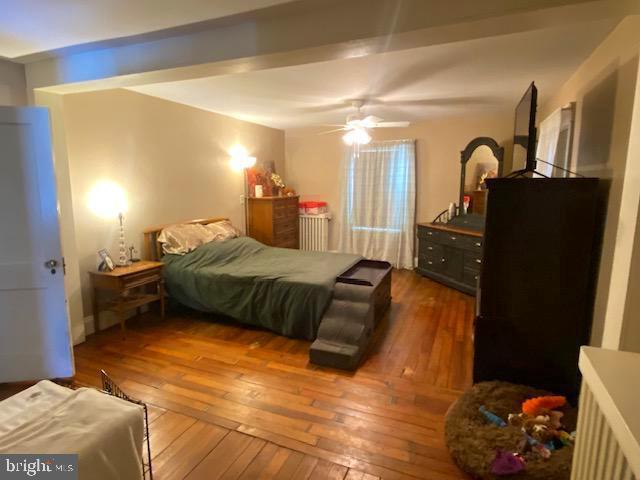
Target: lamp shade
pixel 107 199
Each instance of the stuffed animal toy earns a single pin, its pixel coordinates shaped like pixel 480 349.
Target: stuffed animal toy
pixel 533 406
pixel 543 427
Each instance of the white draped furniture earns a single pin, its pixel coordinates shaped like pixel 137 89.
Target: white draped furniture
pixel 106 432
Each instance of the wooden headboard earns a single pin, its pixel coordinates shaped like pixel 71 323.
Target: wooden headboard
pixel 152 249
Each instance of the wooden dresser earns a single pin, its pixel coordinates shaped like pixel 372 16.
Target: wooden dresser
pixel 274 221
pixel 450 254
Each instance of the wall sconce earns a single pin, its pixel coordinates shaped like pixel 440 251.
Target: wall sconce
pixel 108 200
pixel 240 158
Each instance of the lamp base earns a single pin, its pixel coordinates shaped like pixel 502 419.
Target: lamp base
pixel 123 264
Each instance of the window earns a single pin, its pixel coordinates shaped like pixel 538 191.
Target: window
pixel 378 201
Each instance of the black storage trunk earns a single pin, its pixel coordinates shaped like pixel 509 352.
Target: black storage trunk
pixel 536 293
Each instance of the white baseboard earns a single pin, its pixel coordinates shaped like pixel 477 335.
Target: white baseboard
pixel 78 332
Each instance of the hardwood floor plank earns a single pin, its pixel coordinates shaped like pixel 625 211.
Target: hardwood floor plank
pixel 290 466
pixel 187 451
pixel 340 458
pixel 167 429
pixel 221 458
pixel 249 403
pixel 261 462
pixel 354 475
pixel 326 470
pixel 277 462
pixel 241 463
pixel 434 471
pixel 347 437
pixel 306 467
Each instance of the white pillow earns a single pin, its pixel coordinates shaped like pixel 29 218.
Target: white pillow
pixel 222 230
pixel 184 238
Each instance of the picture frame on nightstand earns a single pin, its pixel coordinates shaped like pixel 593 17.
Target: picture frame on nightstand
pixel 106 265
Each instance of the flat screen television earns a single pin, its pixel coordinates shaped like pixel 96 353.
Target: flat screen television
pixel 524 135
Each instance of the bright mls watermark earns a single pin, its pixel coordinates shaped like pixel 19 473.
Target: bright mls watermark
pixel 46 466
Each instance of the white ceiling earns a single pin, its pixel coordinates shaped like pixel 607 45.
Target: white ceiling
pixel 472 76
pixel 31 26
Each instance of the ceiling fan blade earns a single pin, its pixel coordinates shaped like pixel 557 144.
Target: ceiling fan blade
pixel 392 124
pixel 372 119
pixel 333 131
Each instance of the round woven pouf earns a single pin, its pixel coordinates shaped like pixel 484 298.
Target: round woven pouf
pixel 473 441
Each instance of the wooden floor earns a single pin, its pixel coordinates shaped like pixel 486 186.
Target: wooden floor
pixel 231 402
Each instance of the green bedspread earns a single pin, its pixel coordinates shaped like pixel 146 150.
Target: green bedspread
pixel 284 290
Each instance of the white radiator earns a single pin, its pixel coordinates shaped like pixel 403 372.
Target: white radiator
pixel 608 438
pixel 314 232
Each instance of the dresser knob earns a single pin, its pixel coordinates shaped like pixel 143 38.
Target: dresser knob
pixel 429 233
pixel 478 260
pixel 429 262
pixel 443 259
pixel 453 238
pixel 478 244
pixel 475 277
pixel 429 248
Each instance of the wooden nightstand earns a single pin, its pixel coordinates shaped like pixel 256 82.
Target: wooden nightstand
pixel 130 286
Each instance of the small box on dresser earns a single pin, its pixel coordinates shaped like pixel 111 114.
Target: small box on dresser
pixel 274 221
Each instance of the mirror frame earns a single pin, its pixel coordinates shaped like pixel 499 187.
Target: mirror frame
pixel 465 155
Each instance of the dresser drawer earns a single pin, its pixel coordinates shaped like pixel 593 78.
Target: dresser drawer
pixel 471 276
pixel 426 246
pixel 293 209
pixel 472 243
pixel 141 278
pixel 472 260
pixel 282 212
pixel 284 227
pixel 286 240
pixel 429 233
pixel 431 262
pixel 453 239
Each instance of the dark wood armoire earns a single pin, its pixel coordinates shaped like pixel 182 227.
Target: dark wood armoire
pixel 536 290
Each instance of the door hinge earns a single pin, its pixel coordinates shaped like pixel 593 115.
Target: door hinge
pixel 64 267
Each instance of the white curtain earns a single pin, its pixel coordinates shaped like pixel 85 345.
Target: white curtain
pixel 378 199
pixel 548 142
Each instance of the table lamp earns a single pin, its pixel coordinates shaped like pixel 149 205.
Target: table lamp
pixel 108 200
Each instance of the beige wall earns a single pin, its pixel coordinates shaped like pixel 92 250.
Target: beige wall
pixel 12 84
pixel 312 160
pixel 603 88
pixel 170 159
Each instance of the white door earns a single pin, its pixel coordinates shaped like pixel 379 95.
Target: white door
pixel 34 325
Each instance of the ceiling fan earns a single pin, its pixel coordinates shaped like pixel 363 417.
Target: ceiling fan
pixel 357 125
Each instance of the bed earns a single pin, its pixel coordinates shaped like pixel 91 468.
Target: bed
pixel 287 291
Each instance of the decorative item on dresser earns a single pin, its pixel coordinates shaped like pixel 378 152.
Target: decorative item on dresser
pixel 451 253
pixel 274 221
pixel 129 285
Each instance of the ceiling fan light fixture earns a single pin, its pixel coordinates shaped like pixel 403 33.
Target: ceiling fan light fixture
pixel 357 136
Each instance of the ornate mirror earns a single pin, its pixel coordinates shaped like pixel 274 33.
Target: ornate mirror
pixel 481 159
